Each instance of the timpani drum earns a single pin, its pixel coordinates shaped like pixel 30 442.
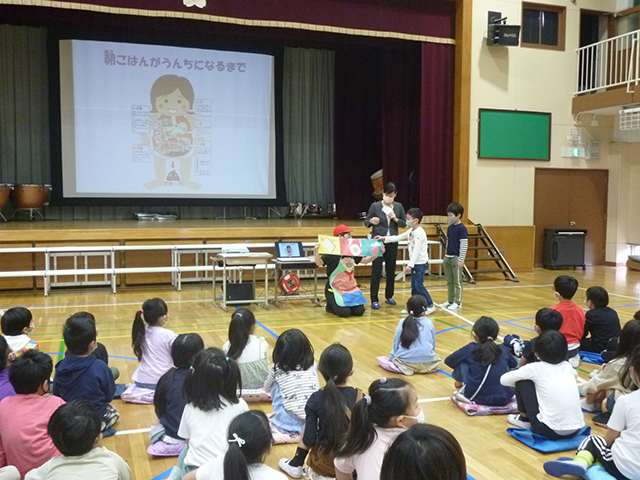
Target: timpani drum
pixel 29 196
pixel 377 182
pixel 5 190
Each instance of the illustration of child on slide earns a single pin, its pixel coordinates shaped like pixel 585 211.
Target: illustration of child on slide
pixel 172 122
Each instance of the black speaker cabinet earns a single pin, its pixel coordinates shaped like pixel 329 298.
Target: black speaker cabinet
pixel 239 291
pixel 563 247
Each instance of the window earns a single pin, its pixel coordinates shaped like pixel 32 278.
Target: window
pixel 543 26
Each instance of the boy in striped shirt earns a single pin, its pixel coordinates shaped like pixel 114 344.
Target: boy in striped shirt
pixel 457 243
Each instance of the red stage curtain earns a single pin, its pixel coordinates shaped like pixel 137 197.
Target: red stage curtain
pixel 394 110
pixel 357 133
pixel 401 120
pixel 435 186
pixel 434 17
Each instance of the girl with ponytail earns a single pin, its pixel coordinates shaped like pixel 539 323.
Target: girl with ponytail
pixel 376 421
pixel 249 440
pixel 414 343
pixel 151 343
pixel 251 352
pixel 211 395
pixel 327 417
pixel 478 366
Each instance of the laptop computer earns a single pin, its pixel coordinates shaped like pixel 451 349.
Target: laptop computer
pixel 290 252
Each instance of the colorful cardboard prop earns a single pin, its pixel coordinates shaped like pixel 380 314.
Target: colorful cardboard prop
pixel 344 285
pixel 351 247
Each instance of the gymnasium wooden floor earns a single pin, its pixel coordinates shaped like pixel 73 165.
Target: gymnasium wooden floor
pixel 491 453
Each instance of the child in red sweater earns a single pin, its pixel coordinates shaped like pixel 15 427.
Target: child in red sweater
pixel 573 316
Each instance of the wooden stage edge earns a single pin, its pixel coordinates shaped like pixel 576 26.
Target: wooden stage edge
pixel 516 242
pixel 198 230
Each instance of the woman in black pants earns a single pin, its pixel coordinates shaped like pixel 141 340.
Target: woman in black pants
pixel 385 216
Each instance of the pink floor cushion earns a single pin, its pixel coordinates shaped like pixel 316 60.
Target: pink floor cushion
pixel 139 395
pixel 388 365
pixel 255 395
pixel 162 449
pixel 280 438
pixel 473 409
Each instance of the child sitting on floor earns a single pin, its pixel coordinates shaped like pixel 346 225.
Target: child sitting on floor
pixel 424 452
pixel 376 421
pixel 546 391
pixel 327 417
pixel 478 366
pixel 546 319
pixel 573 317
pixel 414 342
pixel 24 442
pixel 168 399
pixel 601 322
pixel 75 431
pixel 17 324
pixel 80 375
pixel 251 352
pixel 152 346
pixel 613 380
pixel 291 381
pixel 211 394
pixel 249 439
pixel 619 451
pixel 6 359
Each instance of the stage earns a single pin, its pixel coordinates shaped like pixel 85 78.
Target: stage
pixel 134 233
pixel 516 242
pixel 54 232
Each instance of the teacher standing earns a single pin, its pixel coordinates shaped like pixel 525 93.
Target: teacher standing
pixel 385 216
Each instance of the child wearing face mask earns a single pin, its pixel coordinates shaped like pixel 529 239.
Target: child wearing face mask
pixel 17 325
pixel 418 255
pixel 457 243
pixel 376 421
pixel 384 218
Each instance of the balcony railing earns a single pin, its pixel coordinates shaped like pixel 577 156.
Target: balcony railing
pixel 609 63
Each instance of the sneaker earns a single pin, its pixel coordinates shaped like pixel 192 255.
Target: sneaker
pixel 430 310
pixel 293 472
pixel 516 419
pixel 588 407
pixel 454 306
pixel 390 301
pixel 445 304
pixel 560 467
pixel 404 312
pixel 375 305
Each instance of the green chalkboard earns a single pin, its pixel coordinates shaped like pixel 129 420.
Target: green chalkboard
pixel 514 135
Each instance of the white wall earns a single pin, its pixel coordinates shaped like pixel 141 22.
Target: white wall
pixel 501 192
pixel 623 5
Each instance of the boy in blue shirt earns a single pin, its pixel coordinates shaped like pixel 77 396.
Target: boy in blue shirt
pixel 457 243
pixel 80 375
